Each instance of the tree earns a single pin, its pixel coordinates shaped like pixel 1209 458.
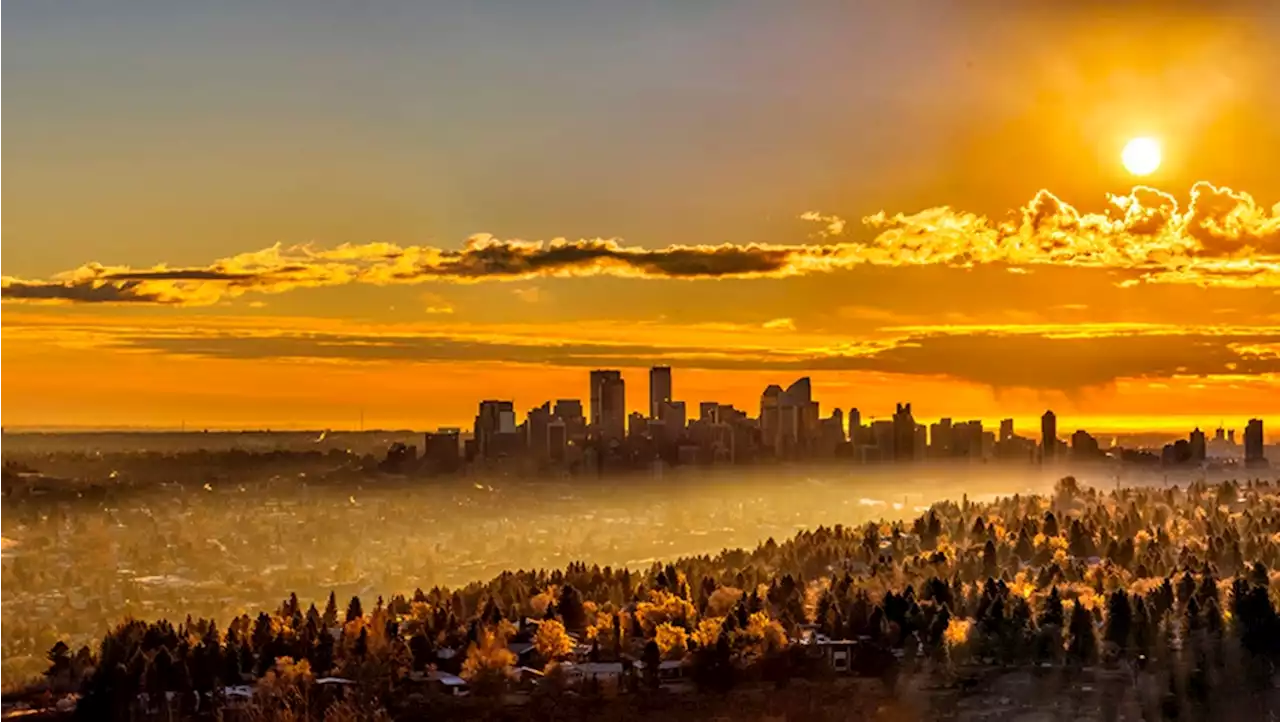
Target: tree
pixel 571 608
pixel 1051 613
pixel 59 672
pixel 673 641
pixel 354 610
pixel 1119 620
pixel 652 658
pixel 488 663
pixel 552 641
pixel 1082 646
pixel 421 649
pixel 330 617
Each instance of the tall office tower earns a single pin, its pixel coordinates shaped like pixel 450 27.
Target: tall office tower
pixel 659 390
pixel 494 418
pixel 882 437
pixel 608 404
pixel 1084 446
pixel 799 416
pixel 575 421
pixel 771 416
pixel 1197 443
pixel 966 439
pixel 1048 435
pixel 637 425
pixel 709 411
pixel 537 431
pixel 1006 429
pixel 941 444
pixel 855 428
pixel 672 416
pixel 904 433
pixel 1253 454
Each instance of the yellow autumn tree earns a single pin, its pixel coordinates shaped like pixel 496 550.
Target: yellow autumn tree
pixel 708 631
pixel 673 641
pixel 662 607
pixel 722 601
pixel 773 638
pixel 552 641
pixel 488 663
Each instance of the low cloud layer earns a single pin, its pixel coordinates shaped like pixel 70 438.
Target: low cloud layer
pixel 1222 238
pixel 1056 358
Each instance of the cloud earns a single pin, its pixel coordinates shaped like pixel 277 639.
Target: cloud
pixel 783 324
pixel 436 304
pixel 1067 357
pixel 528 295
pixel 832 225
pixel 1223 238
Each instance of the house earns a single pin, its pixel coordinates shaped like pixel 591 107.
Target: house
pixel 450 683
pixel 606 673
pixel 669 670
pixel 839 653
pixel 237 697
pixel 860 657
pixel 524 652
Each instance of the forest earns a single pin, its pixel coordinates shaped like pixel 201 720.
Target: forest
pixel 1163 599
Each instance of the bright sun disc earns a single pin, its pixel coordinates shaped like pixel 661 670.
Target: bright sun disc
pixel 1141 156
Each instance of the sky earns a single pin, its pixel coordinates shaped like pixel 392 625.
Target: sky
pixel 302 214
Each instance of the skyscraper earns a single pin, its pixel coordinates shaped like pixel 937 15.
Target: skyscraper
pixel 1006 429
pixel 659 390
pixel 575 422
pixel 494 419
pixel 1253 453
pixel 1197 444
pixel 1048 435
pixel 771 416
pixel 608 404
pixel 672 416
pixel 940 439
pixel 536 429
pixel 904 433
pixel 709 411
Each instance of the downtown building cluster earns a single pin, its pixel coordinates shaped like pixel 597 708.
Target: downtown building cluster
pixel 565 436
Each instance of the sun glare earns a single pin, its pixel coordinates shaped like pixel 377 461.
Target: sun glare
pixel 1141 156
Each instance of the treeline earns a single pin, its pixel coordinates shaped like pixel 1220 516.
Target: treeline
pixel 1173 584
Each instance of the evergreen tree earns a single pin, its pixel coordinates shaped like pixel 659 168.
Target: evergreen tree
pixel 1082 645
pixel 354 610
pixel 330 618
pixel 1119 627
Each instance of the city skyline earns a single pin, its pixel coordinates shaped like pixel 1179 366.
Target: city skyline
pixel 788 425
pixel 357 212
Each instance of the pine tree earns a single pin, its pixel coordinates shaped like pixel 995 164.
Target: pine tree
pixel 330 617
pixel 354 610
pixel 1119 620
pixel 1082 647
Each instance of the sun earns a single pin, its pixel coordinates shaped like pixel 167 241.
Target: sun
pixel 1141 156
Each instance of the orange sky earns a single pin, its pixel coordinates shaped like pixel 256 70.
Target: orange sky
pixel 273 238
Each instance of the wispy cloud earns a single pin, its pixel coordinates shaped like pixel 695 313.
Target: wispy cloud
pixel 1223 238
pixel 1064 357
pixel 831 225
